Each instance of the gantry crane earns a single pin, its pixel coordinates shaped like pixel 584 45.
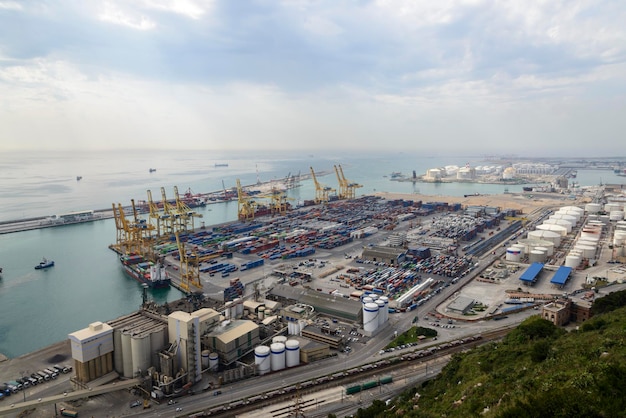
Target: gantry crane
pixel 349 186
pixel 163 220
pixel 185 213
pixel 170 210
pixel 321 192
pixel 130 236
pixel 189 267
pixel 245 205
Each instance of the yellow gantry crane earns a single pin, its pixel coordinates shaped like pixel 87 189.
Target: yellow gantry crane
pixel 170 213
pixel 349 186
pixel 245 205
pixel 163 221
pixel 189 267
pixel 321 192
pixel 185 213
pixel 130 235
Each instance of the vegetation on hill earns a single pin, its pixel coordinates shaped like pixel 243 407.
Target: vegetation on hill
pixel 537 370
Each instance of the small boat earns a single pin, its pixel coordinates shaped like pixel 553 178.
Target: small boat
pixel 79 178
pixel 152 170
pixel 44 264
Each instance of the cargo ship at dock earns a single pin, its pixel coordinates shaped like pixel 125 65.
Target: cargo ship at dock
pixel 145 272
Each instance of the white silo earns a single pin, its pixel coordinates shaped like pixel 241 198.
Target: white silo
pixel 239 307
pixel 593 207
pixel 386 309
pixel 588 251
pixel 547 250
pixel 572 260
pixel 127 355
pixel 140 346
pixel 381 315
pixel 262 359
pixel 367 299
pixel 566 224
pixel 370 317
pixel 214 361
pixel 205 359
pixel 292 355
pixel 551 236
pixel 513 254
pixel 278 356
pixel 279 339
pixel 373 296
pixel 227 310
pixel 619 238
pixel 261 313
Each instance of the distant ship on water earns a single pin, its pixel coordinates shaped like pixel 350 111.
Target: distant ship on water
pixel 221 165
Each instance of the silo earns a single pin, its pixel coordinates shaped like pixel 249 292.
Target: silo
pixel 367 299
pixel 233 310
pixel 140 345
pixel 261 313
pixel 513 254
pixel 214 361
pixel 205 359
pixel 157 339
pixel 262 359
pixel 292 356
pixel 118 352
pixel 278 356
pixel 373 296
pixel 566 224
pixel 616 215
pixel 536 256
pixel 572 261
pixel 238 307
pixel 385 311
pixel 127 355
pixel 279 339
pixel 370 317
pixel 381 309
pixel 227 309
pixel 593 207
pixel 587 250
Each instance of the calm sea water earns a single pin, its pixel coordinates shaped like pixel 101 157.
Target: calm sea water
pixel 38 308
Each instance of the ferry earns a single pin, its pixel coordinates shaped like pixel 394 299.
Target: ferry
pixel 145 272
pixel 44 264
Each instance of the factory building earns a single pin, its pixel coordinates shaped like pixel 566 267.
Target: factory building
pixel 232 339
pixel 329 304
pixel 393 256
pixel 92 351
pixel 317 334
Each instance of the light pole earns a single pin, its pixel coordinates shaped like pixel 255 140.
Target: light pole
pixel 22 374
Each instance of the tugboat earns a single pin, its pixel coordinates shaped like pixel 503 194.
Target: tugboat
pixel 44 264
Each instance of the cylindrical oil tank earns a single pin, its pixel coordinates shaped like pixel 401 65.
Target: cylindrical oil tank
pixel 370 317
pixel 612 206
pixel 386 309
pixel 127 355
pixel 513 254
pixel 381 316
pixel 566 224
pixel 367 299
pixel 277 359
pixel 279 339
pixel 140 344
pixel 576 209
pixel 262 359
pixel 620 226
pixel 292 355
pixel 572 261
pixel 536 256
pixel 570 218
pixel 587 250
pixel 261 313
pixel 560 229
pixel 531 244
pixel 521 247
pixel 551 236
pixel 619 238
pixel 548 250
pixel 214 360
pixel 204 356
pixel 593 207
pixel 604 219
pixel 616 215
pixel 591 232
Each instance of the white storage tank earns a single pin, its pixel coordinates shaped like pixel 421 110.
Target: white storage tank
pixel 279 339
pixel 367 299
pixel 591 232
pixel 227 310
pixel 559 229
pixel 619 238
pixel 587 250
pixel 616 215
pixel 205 359
pixel 513 254
pixel 620 226
pixel 566 224
pixel 278 356
pixel 262 359
pixel 521 247
pixel 292 356
pixel 612 206
pixel 536 256
pixel 575 209
pixel 127 355
pixel 569 218
pixel 385 311
pixel 381 315
pixel 239 307
pixel 572 261
pixel 370 317
pixel 261 313
pixel 547 250
pixel 593 207
pixel 604 219
pixel 551 236
pixel 140 344
pixel 214 361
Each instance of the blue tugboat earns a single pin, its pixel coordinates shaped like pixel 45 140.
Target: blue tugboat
pixel 44 264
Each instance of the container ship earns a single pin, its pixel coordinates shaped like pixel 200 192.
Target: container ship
pixel 146 272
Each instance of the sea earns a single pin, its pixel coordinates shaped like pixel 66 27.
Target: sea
pixel 41 307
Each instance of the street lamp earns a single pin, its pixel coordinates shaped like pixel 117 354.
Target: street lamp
pixel 22 374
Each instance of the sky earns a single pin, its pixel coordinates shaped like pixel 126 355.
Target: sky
pixel 529 77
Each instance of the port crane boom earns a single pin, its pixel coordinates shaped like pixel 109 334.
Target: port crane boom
pixel 349 186
pixel 321 192
pixel 245 205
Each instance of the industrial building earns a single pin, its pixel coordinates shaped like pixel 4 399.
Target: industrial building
pixel 232 339
pixel 390 255
pixel 92 351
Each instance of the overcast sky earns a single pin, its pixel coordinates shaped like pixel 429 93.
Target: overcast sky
pixel 526 77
